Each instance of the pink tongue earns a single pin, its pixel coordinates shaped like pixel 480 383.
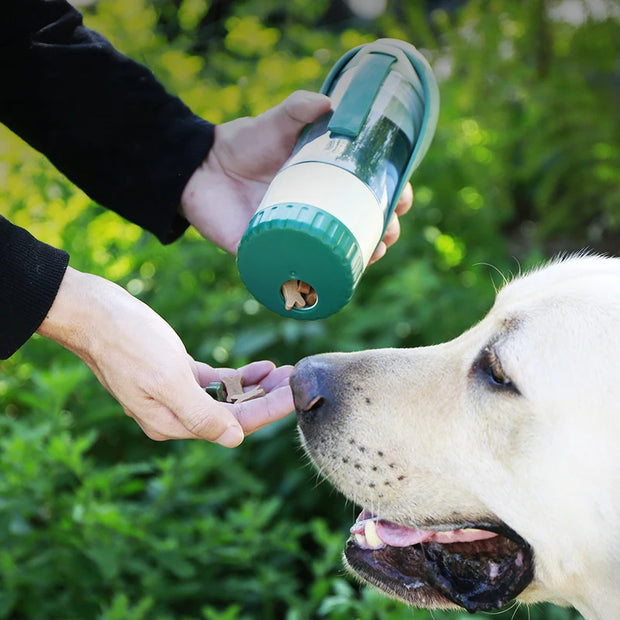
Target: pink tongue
pixel 399 536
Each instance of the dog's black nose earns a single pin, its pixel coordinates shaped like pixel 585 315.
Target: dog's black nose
pixel 307 383
pixel 322 396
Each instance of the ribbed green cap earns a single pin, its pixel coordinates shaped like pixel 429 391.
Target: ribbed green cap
pixel 297 241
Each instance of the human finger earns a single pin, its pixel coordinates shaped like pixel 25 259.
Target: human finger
pixel 392 232
pixel 260 412
pixel 379 253
pixel 203 416
pixel 252 373
pixel 301 107
pixel 274 378
pixel 162 429
pixel 263 372
pixel 405 200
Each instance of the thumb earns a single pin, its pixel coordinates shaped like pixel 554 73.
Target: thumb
pixel 304 106
pixel 296 111
pixel 204 417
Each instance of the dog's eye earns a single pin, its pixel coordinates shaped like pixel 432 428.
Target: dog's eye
pixel 490 366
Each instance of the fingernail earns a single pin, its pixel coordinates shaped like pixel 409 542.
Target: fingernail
pixel 231 437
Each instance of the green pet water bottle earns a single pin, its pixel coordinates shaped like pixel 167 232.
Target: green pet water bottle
pixel 326 210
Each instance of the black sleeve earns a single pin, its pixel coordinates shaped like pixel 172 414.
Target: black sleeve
pixel 30 274
pixel 102 119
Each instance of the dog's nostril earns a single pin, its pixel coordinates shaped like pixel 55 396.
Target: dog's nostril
pixel 306 396
pixel 314 404
pixel 307 386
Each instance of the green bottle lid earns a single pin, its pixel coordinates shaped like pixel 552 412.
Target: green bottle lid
pixel 284 235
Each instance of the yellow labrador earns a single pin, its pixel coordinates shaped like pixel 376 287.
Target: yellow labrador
pixel 488 467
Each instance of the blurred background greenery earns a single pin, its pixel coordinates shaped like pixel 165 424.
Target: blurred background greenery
pixel 97 521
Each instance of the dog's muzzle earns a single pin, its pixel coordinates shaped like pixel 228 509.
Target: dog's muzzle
pixel 476 565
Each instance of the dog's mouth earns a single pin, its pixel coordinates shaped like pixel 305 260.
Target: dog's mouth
pixel 480 567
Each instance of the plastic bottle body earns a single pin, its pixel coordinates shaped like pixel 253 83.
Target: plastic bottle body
pixel 379 153
pixel 327 209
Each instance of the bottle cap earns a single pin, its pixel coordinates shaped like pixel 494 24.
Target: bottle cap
pixel 284 236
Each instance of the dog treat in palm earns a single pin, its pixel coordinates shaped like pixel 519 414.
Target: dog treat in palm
pixel 233 385
pixel 255 392
pixel 230 390
pixel 298 294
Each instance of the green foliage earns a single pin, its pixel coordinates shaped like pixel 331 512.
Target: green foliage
pixel 99 522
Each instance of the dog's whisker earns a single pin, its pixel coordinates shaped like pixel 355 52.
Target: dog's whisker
pixel 505 280
pixel 516 605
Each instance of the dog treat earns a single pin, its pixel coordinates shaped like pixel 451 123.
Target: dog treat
pixel 292 296
pixel 230 390
pixel 233 384
pixel 255 392
pixel 303 287
pixel 311 297
pixel 298 294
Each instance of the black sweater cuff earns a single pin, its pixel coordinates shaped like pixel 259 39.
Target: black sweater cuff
pixel 30 275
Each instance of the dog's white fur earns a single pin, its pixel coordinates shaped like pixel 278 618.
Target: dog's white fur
pixel 546 460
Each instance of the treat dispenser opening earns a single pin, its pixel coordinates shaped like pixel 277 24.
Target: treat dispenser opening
pixel 326 210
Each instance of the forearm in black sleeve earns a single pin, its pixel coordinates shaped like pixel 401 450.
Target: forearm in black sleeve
pixel 30 275
pixel 101 118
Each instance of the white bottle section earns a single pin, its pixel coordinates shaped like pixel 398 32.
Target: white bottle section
pixel 337 191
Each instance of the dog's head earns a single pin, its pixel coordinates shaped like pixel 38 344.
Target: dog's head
pixel 487 467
